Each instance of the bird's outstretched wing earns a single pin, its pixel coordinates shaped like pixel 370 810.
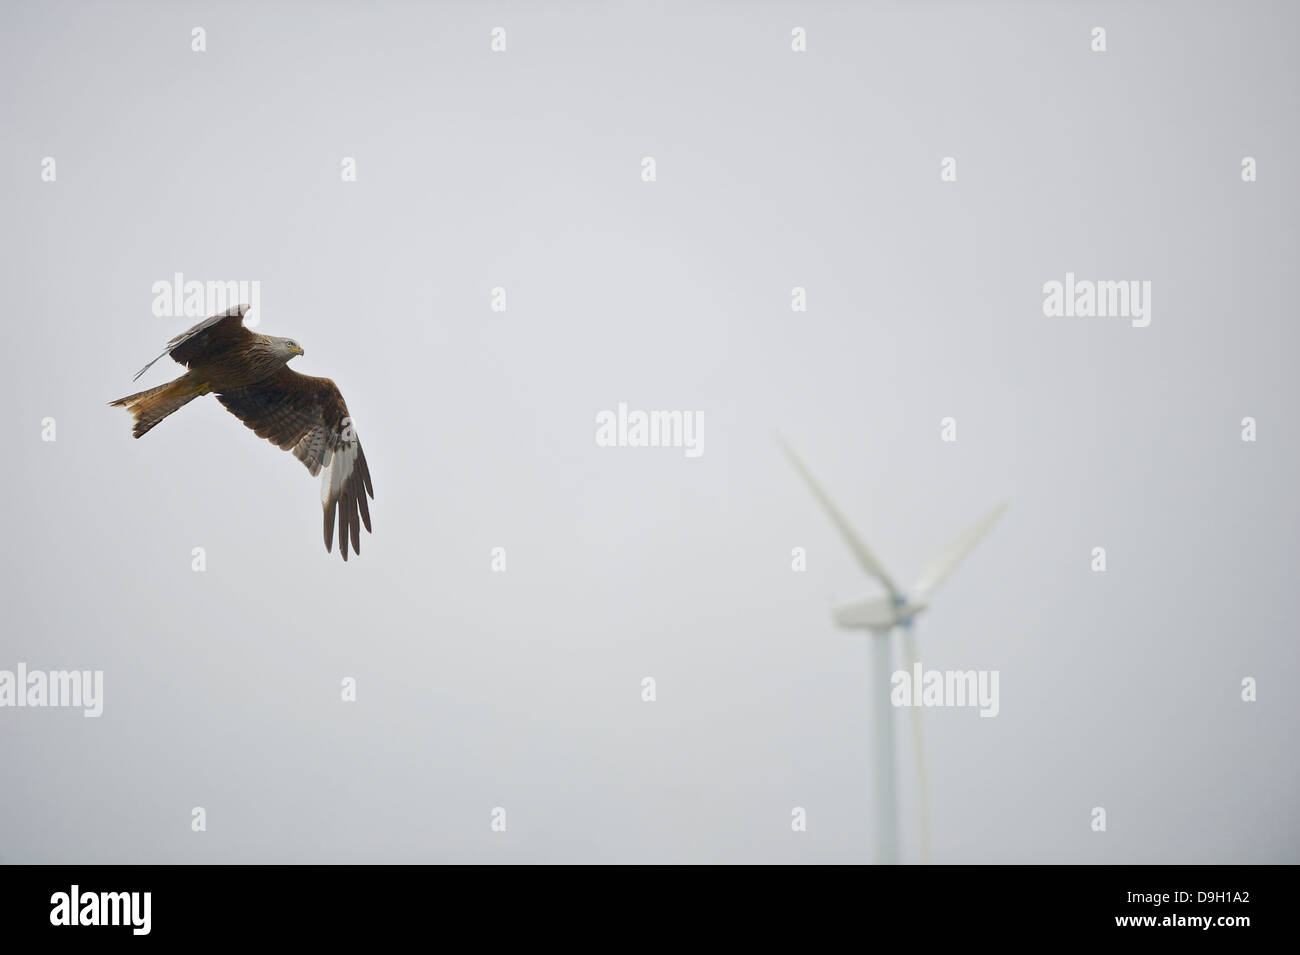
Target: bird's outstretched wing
pixel 307 416
pixel 209 336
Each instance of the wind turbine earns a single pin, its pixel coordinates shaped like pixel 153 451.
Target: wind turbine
pixel 880 616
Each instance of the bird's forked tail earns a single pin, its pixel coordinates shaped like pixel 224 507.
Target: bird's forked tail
pixel 151 406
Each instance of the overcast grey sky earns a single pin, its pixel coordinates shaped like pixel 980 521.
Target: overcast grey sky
pixel 775 169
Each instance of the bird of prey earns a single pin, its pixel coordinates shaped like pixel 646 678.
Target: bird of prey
pixel 249 373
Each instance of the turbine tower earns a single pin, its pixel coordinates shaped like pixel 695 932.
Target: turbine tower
pixel 880 616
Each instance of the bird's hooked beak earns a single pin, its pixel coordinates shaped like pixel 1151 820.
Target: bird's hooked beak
pixel 297 350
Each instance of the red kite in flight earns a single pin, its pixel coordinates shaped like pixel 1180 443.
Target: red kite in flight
pixel 249 373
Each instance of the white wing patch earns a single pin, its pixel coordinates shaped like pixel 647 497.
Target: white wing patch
pixel 338 468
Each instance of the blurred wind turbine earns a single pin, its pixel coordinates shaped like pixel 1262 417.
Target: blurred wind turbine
pixel 881 615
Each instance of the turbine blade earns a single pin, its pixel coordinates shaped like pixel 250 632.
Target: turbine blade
pixel 943 565
pixel 856 544
pixel 147 367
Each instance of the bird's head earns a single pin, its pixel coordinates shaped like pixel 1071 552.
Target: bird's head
pixel 288 348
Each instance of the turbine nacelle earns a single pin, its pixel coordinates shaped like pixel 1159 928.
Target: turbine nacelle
pixel 878 613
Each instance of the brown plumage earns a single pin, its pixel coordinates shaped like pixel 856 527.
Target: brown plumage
pixel 249 374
